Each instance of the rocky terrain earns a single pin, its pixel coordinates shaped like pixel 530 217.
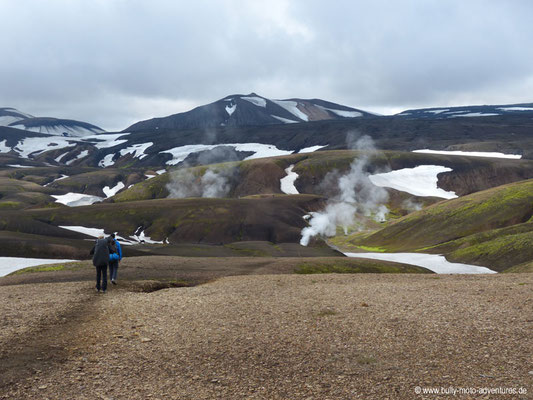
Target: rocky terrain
pixel 268 337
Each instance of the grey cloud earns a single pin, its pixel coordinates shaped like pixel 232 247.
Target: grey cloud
pixel 114 62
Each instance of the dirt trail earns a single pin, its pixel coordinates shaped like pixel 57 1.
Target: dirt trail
pixel 38 323
pixel 287 337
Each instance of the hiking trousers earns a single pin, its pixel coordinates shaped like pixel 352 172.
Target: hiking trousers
pixel 101 275
pixel 113 270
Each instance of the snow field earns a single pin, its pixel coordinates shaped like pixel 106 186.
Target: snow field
pixel 419 181
pixel 12 264
pixel 287 183
pixel 469 153
pixel 433 262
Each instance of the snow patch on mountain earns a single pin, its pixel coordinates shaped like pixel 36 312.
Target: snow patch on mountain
pixel 140 237
pixel 311 149
pixel 63 176
pixel 77 199
pixel 257 101
pixel 57 129
pixel 231 109
pixel 515 108
pixel 342 113
pixel 60 157
pixel 3 147
pixel 419 181
pixel 6 120
pixel 287 183
pixel 38 145
pixel 470 153
pixel 474 114
pixel 260 150
pixel 137 150
pixel 284 120
pixel 10 116
pixel 111 191
pixel 82 154
pixel 439 111
pixel 105 141
pixel 94 232
pixel 20 166
pixel 292 107
pixel 107 161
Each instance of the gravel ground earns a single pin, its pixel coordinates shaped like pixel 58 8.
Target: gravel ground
pixel 363 336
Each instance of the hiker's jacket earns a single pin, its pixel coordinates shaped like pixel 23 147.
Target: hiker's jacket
pixel 119 249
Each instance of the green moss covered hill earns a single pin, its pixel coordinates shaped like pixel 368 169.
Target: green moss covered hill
pixel 493 228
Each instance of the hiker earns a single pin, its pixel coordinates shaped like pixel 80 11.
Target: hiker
pixel 114 259
pixel 100 253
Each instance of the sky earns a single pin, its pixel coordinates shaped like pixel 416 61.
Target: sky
pixel 115 62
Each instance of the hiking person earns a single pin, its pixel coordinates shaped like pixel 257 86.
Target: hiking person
pixel 100 253
pixel 114 259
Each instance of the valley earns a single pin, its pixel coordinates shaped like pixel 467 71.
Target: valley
pixel 305 218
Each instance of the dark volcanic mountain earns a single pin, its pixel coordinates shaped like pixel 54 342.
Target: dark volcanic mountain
pixel 238 127
pixel 14 118
pixel 55 126
pixel 252 109
pixel 11 115
pixel 468 111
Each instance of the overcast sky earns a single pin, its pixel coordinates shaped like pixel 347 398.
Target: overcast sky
pixel 115 62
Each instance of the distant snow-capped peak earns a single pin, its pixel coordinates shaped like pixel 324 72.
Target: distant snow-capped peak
pixel 251 109
pixel 10 115
pixel 57 127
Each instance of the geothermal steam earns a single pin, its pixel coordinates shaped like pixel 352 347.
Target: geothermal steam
pixel 185 183
pixel 354 194
pixel 216 181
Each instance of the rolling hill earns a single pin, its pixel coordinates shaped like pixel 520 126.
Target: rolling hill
pixel 493 228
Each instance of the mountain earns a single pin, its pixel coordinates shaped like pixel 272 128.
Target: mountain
pixel 55 126
pixel 11 115
pixel 252 109
pixel 241 127
pixel 14 118
pixel 468 111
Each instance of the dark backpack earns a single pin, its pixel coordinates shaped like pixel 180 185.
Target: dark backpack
pixel 101 253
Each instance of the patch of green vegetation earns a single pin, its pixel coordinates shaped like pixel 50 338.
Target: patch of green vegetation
pixel 50 267
pixel 373 249
pixel 247 252
pixel 356 267
pixel 327 312
pixel 526 267
pixel 10 204
pixel 366 360
pixel 500 252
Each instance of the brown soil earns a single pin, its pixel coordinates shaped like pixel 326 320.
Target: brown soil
pixel 364 336
pixel 191 271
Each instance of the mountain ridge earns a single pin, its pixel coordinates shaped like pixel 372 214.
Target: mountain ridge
pixel 251 109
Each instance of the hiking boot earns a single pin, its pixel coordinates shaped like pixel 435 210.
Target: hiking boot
pixel 114 282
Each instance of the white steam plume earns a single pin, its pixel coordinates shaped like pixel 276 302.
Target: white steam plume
pixel 355 194
pixel 184 183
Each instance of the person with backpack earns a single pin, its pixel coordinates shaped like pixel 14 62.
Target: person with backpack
pixel 100 253
pixel 114 258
